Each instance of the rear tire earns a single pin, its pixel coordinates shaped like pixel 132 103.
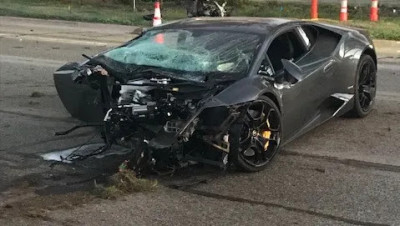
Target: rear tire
pixel 364 87
pixel 255 138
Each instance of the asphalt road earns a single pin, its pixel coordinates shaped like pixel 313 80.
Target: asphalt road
pixel 346 172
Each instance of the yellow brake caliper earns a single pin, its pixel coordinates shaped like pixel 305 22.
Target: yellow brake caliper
pixel 267 135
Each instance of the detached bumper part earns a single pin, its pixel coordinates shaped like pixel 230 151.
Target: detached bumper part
pixel 81 101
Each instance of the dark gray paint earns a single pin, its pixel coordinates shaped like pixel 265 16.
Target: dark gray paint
pixel 304 105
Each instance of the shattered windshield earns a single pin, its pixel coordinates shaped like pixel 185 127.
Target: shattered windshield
pixel 190 51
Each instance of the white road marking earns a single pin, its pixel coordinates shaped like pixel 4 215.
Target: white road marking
pixel 30 61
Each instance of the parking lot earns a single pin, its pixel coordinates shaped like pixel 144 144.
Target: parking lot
pixel 346 172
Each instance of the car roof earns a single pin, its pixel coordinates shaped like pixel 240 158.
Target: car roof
pixel 238 24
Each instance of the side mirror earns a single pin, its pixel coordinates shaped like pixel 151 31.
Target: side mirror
pixel 292 70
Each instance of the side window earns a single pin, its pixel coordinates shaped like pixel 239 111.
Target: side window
pixel 322 43
pixel 311 32
pixel 286 46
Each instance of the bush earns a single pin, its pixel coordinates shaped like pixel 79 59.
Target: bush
pixel 237 3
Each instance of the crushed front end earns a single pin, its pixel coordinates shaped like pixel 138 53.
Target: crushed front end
pixel 157 94
pixel 168 125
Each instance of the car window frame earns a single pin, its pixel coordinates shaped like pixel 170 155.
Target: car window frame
pixel 266 58
pixel 305 40
pixel 312 46
pixel 282 32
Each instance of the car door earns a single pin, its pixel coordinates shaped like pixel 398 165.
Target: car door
pixel 302 86
pixel 319 66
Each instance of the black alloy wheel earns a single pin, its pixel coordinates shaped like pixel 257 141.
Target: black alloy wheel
pixel 254 141
pixel 365 87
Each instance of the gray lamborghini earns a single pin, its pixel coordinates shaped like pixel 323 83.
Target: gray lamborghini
pixel 219 91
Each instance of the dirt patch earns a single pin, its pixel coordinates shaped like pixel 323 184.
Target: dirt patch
pixel 391 113
pixel 37 207
pixel 23 202
pixel 33 103
pixel 36 94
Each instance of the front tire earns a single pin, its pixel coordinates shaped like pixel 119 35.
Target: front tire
pixel 364 87
pixel 255 138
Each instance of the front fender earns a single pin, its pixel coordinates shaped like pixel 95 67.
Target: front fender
pixel 245 90
pixel 81 101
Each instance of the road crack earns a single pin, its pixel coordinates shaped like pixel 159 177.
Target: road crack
pixel 275 205
pixel 347 162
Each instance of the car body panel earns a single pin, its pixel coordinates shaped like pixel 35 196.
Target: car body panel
pixel 324 92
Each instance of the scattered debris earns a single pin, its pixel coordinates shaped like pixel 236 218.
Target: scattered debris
pixel 36 94
pixel 33 103
pixel 122 183
pixel 58 155
pixel 84 151
pixel 8 206
pixel 321 170
pixel 40 214
pixel 391 113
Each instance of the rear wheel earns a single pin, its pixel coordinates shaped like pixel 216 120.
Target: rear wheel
pixel 365 87
pixel 254 140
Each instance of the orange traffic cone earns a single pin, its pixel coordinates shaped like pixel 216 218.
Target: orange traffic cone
pixel 157 14
pixel 314 9
pixel 343 11
pixel 374 16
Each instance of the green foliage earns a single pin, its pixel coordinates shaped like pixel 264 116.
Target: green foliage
pixel 237 3
pixel 116 11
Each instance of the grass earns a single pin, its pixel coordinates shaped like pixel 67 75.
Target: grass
pixel 89 12
pixel 122 183
pixel 108 12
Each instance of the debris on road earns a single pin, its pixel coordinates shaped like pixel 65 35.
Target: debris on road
pixel 36 94
pixel 122 183
pixel 82 152
pixel 33 103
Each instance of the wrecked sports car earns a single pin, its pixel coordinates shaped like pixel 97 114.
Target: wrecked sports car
pixel 227 91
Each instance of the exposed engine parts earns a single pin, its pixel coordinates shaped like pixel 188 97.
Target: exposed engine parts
pixel 165 120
